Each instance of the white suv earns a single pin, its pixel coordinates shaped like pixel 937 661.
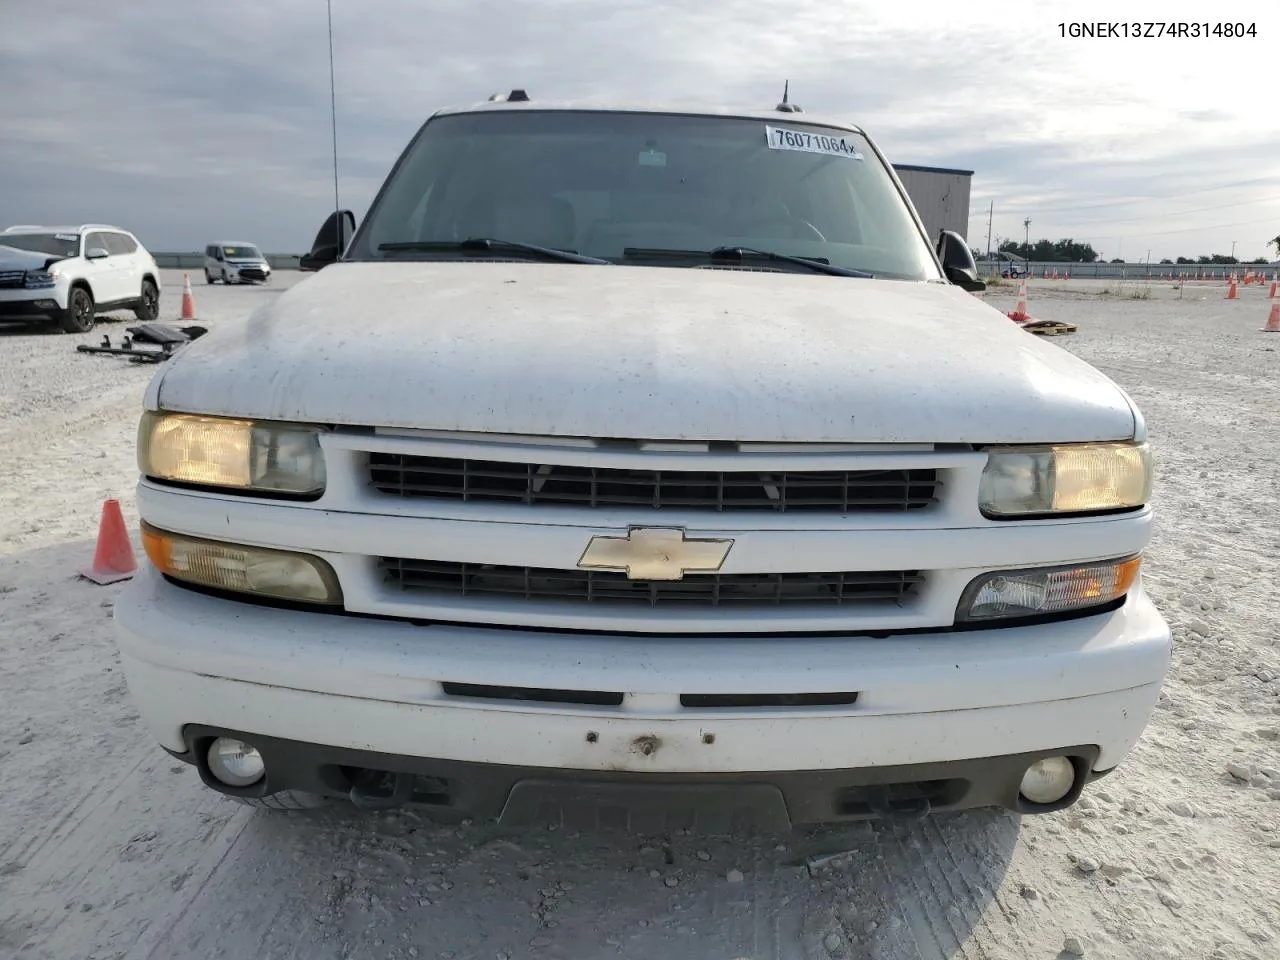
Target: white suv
pixel 72 274
pixel 672 474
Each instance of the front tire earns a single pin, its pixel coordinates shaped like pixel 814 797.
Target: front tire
pixel 81 312
pixel 285 800
pixel 208 278
pixel 148 308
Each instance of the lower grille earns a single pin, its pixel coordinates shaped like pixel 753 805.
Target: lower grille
pixel 828 491
pixel 702 589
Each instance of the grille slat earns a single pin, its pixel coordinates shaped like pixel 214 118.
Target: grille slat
pixel 832 491
pixel 593 586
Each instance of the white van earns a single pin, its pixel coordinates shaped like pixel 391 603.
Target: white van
pixel 235 263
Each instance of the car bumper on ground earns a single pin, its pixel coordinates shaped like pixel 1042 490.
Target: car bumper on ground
pixel 951 718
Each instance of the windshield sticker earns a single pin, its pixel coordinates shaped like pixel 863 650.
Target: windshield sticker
pixel 780 139
pixel 66 236
pixel 652 158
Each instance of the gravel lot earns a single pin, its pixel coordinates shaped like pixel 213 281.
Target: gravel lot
pixel 109 848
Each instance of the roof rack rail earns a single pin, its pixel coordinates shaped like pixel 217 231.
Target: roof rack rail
pixel 23 226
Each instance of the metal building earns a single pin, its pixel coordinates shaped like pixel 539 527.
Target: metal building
pixel 940 196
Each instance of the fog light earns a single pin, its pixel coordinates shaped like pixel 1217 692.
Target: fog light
pixel 235 763
pixel 1048 780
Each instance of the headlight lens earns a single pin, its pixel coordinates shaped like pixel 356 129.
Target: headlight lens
pixel 237 454
pixel 1011 594
pixel 1072 478
pixel 38 278
pixel 278 574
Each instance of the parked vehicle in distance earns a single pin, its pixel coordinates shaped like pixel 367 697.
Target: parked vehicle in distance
pixel 69 275
pixel 235 263
pixel 1013 267
pixel 644 466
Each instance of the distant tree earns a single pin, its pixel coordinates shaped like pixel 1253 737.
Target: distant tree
pixel 1167 260
pixel 1052 251
pixel 977 254
pixel 1259 260
pixel 1275 242
pixel 1185 260
pixel 1118 260
pixel 1204 258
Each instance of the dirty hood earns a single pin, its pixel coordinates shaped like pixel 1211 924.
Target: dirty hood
pixel 643 352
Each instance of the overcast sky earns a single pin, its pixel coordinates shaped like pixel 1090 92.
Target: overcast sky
pixel 188 122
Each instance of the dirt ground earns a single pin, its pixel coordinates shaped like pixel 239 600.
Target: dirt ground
pixel 110 849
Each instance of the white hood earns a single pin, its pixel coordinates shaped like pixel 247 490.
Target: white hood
pixel 645 353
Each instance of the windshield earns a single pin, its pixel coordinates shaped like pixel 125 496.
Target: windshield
pixel 608 184
pixel 53 244
pixel 244 251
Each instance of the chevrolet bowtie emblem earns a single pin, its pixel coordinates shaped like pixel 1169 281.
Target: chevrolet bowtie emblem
pixel 654 553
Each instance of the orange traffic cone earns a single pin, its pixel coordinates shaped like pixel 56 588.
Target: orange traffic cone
pixel 1231 290
pixel 113 560
pixel 1019 313
pixel 1274 287
pixel 1273 321
pixel 188 300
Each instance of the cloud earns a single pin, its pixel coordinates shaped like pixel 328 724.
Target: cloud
pixel 187 125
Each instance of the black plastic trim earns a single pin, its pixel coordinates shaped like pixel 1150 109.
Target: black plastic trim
pixel 578 797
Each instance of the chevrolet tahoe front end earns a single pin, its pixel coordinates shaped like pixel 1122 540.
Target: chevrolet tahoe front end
pixel 618 539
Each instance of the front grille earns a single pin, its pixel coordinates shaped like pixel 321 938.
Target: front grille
pixel 446 579
pixel 830 491
pixel 12 279
pixel 253 273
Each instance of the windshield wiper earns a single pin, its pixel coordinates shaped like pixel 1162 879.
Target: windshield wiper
pixel 489 243
pixel 740 254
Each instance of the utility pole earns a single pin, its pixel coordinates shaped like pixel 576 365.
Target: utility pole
pixel 1026 241
pixel 1233 251
pixel 990 213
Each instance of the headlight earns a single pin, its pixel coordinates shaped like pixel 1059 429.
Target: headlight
pixel 1011 594
pixel 234 454
pixel 1072 478
pixel 278 574
pixel 38 278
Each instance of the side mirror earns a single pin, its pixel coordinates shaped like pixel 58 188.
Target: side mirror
pixel 330 242
pixel 96 253
pixel 958 263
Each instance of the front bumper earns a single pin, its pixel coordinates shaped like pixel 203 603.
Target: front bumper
pixel 249 274
pixel 24 303
pixel 644 802
pixel 333 689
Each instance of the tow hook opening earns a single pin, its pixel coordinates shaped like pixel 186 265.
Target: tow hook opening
pixel 386 789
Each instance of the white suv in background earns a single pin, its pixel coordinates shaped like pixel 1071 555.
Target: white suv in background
pixel 72 274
